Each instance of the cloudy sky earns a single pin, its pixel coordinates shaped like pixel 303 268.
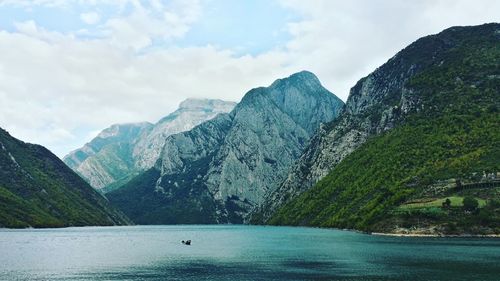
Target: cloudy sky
pixel 68 69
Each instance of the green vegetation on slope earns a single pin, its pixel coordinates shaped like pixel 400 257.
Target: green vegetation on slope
pixel 16 212
pixel 391 168
pixel 142 202
pixel 455 134
pixel 38 190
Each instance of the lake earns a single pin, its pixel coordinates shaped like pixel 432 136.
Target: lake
pixel 237 252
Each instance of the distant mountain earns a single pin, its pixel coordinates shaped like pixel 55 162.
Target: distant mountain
pixel 122 151
pixel 39 190
pixel 218 171
pixel 419 129
pixel 108 157
pixel 191 113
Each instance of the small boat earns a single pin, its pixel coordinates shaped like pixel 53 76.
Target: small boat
pixel 188 242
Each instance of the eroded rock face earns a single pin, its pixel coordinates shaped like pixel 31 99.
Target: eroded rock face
pixel 240 157
pixel 122 151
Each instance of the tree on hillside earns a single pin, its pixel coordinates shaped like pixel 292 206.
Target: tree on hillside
pixel 470 204
pixel 447 203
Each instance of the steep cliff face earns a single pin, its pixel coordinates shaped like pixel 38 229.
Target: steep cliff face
pixel 376 104
pixel 429 114
pixel 122 151
pixel 237 158
pixel 38 190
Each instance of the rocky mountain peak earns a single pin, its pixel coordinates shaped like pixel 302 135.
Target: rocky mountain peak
pixel 302 79
pixel 300 96
pixel 206 104
pixel 117 130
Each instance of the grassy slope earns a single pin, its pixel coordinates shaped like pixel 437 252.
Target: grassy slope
pixel 38 190
pixel 455 201
pixel 456 134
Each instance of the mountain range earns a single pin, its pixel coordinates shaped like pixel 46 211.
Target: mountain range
pixel 220 170
pixel 122 151
pixel 414 150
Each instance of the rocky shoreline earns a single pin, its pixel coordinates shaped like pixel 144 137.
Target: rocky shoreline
pixel 437 235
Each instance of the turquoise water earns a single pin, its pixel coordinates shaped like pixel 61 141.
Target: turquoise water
pixel 239 253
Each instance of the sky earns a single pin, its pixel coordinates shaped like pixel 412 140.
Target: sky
pixel 70 68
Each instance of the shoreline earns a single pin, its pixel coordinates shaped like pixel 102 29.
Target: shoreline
pixel 435 235
pixel 392 234
pixel 388 234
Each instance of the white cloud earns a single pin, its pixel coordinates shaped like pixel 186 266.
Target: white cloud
pixel 143 25
pixel 90 17
pixel 52 84
pixel 56 88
